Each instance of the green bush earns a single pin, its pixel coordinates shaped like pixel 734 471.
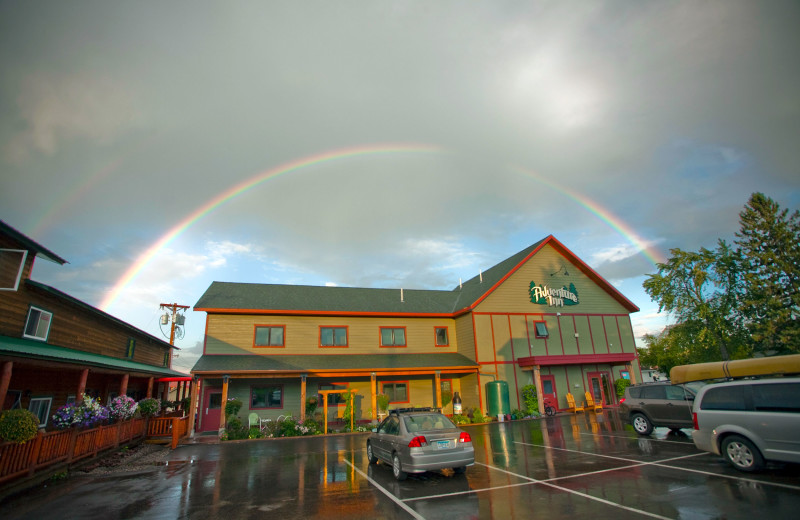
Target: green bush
pixel 232 407
pixel 18 426
pixel 235 430
pixel 478 417
pixel 383 402
pixel 149 407
pixel 446 398
pixel 528 394
pixel 518 414
pixel 620 385
pixel 460 419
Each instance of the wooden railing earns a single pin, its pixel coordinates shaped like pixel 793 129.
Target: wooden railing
pixel 68 446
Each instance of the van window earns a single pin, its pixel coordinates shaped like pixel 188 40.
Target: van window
pixel 779 397
pixel 725 398
pixel 654 392
pixel 636 392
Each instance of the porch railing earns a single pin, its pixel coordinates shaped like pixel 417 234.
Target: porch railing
pixel 68 446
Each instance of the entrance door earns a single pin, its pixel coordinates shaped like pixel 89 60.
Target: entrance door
pixel 212 407
pixel 549 391
pixel 600 388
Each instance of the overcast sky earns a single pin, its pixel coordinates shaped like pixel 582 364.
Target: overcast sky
pixel 454 134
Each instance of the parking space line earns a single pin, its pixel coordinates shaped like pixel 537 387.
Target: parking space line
pixel 386 492
pixel 634 438
pixel 456 493
pixel 572 491
pixel 733 477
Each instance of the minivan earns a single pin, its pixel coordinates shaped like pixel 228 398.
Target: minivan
pixel 749 422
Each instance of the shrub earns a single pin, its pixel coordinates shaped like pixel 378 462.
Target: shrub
pixel 18 426
pixel 620 385
pixel 383 402
pixel 528 394
pixel 149 407
pixel 478 417
pixel 235 430
pixel 87 413
pixel 122 408
pixel 311 405
pixel 232 407
pixel 460 419
pixel 446 398
pixel 518 414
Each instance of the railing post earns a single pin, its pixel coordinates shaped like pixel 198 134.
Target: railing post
pixel 73 440
pixel 37 447
pixel 175 432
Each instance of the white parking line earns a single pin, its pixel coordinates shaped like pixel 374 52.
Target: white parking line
pixel 567 490
pixel 633 438
pixel 386 492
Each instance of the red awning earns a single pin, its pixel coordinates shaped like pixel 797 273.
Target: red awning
pixel 578 359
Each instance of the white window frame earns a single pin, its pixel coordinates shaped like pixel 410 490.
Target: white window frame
pixel 19 271
pixel 49 401
pixel 41 313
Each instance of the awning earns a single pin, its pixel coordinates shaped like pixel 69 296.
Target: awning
pixel 578 359
pixel 37 350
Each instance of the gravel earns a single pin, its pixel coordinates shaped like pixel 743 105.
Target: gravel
pixel 134 458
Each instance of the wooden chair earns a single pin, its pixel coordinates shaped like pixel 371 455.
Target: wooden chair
pixel 571 406
pixel 590 404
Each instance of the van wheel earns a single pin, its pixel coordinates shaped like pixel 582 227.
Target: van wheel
pixel 397 468
pixel 742 454
pixel 641 424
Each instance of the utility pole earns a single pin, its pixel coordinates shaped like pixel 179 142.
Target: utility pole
pixel 174 308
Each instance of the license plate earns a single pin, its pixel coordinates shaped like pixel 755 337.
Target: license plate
pixel 443 445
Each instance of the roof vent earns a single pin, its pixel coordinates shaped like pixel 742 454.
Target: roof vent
pixel 459 284
pixel 401 295
pixel 480 274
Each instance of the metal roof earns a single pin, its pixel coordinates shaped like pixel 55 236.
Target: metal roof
pixel 29 244
pixel 26 348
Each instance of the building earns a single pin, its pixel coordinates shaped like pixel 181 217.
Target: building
pixel 540 317
pixel 55 348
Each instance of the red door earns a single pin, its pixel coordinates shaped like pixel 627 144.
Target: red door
pixel 600 388
pixel 549 391
pixel 212 407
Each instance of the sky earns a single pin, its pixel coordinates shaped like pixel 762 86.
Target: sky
pixel 161 146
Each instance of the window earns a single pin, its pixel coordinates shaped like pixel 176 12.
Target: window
pixel 38 324
pixel 333 336
pixel 40 407
pixel 541 329
pixel 390 425
pixel 725 398
pixel 441 337
pixel 397 392
pixel 12 262
pixel 675 393
pixel 131 346
pixel 393 337
pixel 266 396
pixel 13 400
pixel 166 358
pixel 778 397
pixel 654 392
pixel 269 336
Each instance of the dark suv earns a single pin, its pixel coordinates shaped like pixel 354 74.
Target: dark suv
pixel 649 405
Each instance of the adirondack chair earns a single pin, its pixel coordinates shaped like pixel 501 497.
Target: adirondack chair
pixel 591 405
pixel 571 406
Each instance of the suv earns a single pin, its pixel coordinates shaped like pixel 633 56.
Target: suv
pixel 749 422
pixel 415 440
pixel 648 405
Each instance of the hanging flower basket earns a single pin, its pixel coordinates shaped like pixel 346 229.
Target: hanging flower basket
pixel 86 413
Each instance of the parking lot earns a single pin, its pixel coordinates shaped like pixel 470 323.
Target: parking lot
pixel 568 466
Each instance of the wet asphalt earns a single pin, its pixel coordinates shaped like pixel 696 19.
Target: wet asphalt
pixel 568 466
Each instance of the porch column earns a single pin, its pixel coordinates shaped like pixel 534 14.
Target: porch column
pixel 5 380
pixel 437 380
pixel 225 380
pixel 193 406
pixel 537 381
pixel 82 385
pixel 373 395
pixel 629 368
pixel 165 391
pixel 123 385
pixel 302 397
pixel 149 388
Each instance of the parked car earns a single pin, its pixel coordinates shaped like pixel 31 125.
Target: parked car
pixel 749 422
pixel 649 405
pixel 415 440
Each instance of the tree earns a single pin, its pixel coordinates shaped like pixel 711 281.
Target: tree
pixel 769 243
pixel 731 303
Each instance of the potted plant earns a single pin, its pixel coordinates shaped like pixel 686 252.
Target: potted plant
pixel 149 407
pixel 122 408
pixel 86 413
pixel 18 426
pixel 383 404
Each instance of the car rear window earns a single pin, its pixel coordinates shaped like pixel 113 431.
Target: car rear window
pixel 415 423
pixel 725 398
pixel 779 397
pixel 635 392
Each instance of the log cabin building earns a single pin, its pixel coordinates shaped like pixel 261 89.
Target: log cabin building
pixel 540 317
pixel 55 348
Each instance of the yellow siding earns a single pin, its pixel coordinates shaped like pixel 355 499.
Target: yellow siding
pixel 233 334
pixel 466 338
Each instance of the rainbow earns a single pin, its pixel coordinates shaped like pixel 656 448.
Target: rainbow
pixel 652 254
pixel 145 258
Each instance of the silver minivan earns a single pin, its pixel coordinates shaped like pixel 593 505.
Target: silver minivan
pixel 749 422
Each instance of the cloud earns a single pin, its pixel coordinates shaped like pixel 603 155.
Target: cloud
pixel 57 108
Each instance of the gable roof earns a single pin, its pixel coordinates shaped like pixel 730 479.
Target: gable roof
pixel 29 244
pixel 253 298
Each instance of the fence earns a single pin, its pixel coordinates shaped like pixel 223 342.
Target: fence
pixel 68 446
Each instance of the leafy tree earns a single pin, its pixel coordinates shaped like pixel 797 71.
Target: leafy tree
pixel 731 302
pixel 769 242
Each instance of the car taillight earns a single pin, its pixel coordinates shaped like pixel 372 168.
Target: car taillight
pixel 418 442
pixel 694 422
pixel 464 437
pixel 622 400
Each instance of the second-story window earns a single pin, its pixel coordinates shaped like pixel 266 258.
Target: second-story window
pixel 333 336
pixel 130 348
pixel 441 337
pixel 38 324
pixel 541 329
pixel 393 337
pixel 269 336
